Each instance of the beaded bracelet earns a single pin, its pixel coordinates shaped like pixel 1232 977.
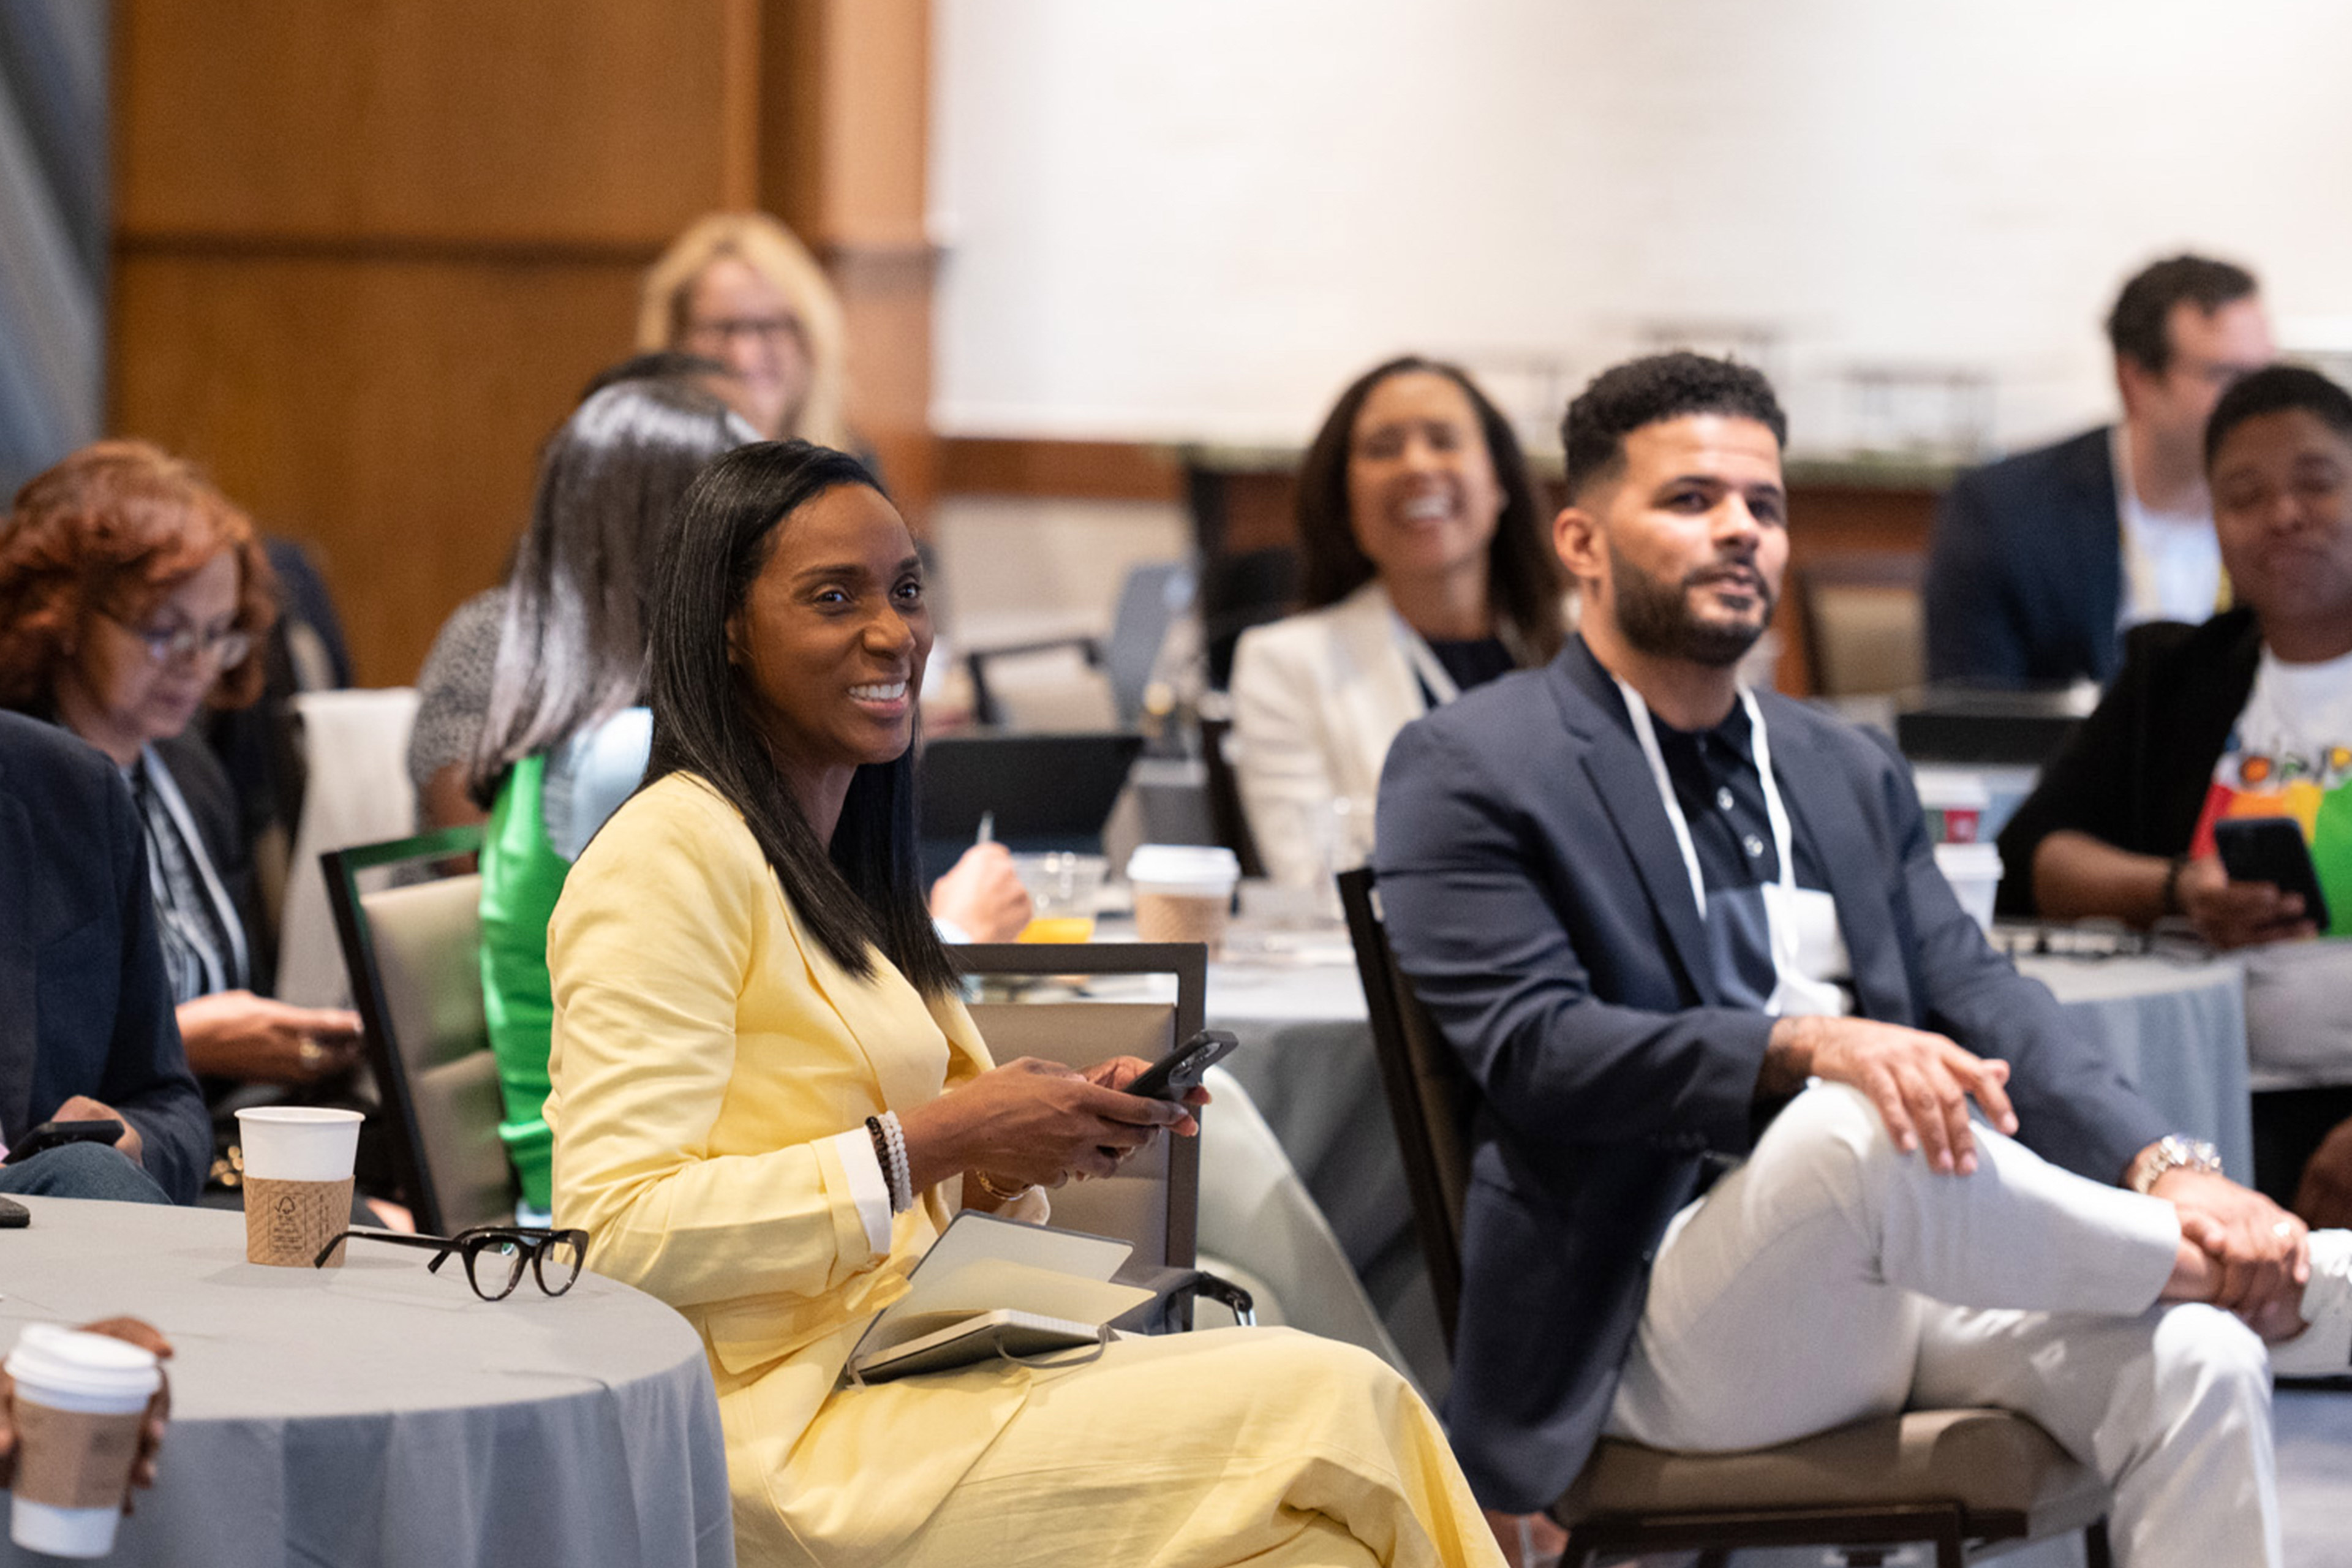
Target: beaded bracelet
pixel 890 1152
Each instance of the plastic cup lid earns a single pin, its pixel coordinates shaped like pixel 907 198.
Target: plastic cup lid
pixel 1184 865
pixel 1969 859
pixel 50 1356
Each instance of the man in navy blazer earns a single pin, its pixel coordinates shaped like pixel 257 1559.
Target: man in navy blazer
pixel 87 1031
pixel 2042 561
pixel 1675 928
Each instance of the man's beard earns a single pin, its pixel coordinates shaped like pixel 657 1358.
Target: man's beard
pixel 1656 619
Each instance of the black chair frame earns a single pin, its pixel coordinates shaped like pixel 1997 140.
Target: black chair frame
pixel 404 1139
pixel 1189 963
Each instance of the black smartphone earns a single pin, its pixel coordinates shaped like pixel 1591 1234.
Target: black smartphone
pixel 56 1134
pixel 2272 849
pixel 1178 1072
pixel 14 1216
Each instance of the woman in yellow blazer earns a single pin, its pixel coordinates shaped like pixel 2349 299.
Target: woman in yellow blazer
pixel 744 975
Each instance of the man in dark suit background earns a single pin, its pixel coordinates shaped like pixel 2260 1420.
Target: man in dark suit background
pixel 2042 561
pixel 87 1031
pixel 1672 926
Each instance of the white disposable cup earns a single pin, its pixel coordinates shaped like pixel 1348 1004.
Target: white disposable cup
pixel 298 1181
pixel 299 1143
pixel 1183 892
pixel 66 1371
pixel 1974 871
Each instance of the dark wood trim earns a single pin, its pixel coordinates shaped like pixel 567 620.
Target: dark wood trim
pixel 430 249
pixel 1090 470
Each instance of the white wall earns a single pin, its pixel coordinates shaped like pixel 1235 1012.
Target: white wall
pixel 1197 221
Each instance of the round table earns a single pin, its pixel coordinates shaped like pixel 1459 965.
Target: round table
pixel 2176 1029
pixel 382 1414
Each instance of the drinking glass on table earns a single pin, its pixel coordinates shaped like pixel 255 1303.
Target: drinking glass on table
pixel 1064 890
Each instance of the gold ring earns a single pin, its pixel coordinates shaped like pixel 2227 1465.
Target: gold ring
pixel 313 1053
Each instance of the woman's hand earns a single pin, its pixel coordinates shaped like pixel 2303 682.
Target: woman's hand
pixel 981 895
pixel 234 1033
pixel 2237 914
pixel 1031 1122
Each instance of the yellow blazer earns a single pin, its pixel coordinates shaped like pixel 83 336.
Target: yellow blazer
pixel 704 1050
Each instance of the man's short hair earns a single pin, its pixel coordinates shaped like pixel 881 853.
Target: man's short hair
pixel 1624 398
pixel 2273 389
pixel 2136 326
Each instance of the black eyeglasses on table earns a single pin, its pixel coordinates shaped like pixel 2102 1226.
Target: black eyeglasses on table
pixel 496 1255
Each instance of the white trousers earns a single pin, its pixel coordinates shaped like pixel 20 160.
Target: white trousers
pixel 1834 1277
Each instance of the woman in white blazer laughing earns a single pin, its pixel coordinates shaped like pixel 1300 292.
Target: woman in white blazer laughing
pixel 1427 570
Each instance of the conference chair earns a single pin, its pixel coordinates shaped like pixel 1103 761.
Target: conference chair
pixel 1152 596
pixel 1974 1482
pixel 1154 1200
pixel 1865 623
pixel 353 743
pixel 1228 821
pixel 414 949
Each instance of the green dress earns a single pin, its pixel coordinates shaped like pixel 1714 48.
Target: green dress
pixel 522 876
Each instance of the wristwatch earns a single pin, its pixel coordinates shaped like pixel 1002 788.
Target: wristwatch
pixel 2170 1152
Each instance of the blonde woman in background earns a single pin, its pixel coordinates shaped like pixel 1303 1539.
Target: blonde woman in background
pixel 738 288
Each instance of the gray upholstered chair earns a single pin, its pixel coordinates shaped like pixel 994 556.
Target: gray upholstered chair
pixel 1973 1482
pixel 414 952
pixel 1154 1200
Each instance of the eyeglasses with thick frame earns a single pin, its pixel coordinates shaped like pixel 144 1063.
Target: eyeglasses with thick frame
pixel 496 1255
pixel 172 645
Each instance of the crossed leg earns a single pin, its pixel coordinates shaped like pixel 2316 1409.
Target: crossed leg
pixel 1834 1277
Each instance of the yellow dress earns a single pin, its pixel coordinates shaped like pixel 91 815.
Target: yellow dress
pixel 706 1052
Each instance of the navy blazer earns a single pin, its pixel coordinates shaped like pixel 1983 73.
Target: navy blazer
pixel 2025 571
pixel 1537 899
pixel 84 1007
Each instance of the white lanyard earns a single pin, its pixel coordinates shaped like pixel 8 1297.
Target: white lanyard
pixel 1418 653
pixel 167 790
pixel 1778 933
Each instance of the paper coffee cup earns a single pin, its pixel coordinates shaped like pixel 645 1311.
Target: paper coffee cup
pixel 1183 892
pixel 80 1400
pixel 1974 872
pixel 297 1181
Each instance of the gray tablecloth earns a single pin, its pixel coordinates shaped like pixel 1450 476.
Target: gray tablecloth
pixel 381 1415
pixel 2176 1030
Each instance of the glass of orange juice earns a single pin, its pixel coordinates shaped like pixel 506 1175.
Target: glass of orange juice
pixel 1063 892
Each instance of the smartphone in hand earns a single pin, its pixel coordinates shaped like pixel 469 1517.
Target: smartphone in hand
pixel 1178 1073
pixel 2272 849
pixel 56 1134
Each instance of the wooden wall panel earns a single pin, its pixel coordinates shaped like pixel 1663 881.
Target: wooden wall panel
pixel 387 412
pixel 581 121
pixel 367 251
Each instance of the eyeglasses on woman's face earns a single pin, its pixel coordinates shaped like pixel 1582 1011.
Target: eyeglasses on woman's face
pixel 176 642
pixel 497 1257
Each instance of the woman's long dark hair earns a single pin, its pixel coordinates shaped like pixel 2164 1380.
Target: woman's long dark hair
pixel 1523 576
pixel 865 890
pixel 572 646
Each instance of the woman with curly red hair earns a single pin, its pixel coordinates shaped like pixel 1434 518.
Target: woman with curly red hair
pixel 133 595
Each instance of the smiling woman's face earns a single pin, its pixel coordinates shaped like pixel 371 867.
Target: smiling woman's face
pixel 830 643
pixel 1423 498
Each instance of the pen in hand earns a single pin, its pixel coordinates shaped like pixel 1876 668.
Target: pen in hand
pixel 987 834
